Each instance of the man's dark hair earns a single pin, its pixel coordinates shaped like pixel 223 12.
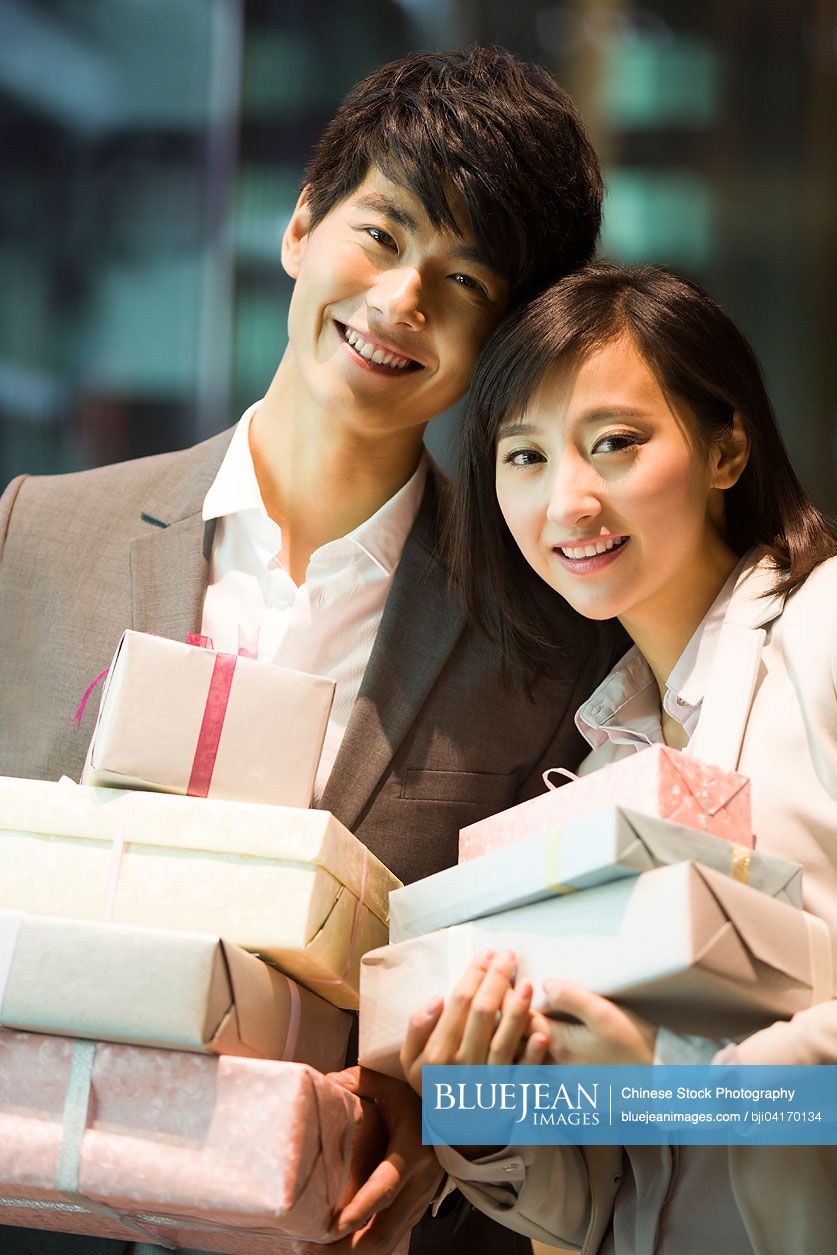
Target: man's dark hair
pixel 704 365
pixel 480 126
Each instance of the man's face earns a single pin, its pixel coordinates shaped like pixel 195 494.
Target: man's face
pixel 388 313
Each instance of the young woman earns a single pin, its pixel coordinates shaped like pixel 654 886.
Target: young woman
pixel 619 441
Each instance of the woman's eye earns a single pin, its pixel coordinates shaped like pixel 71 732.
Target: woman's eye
pixel 616 442
pixel 523 457
pixel 380 236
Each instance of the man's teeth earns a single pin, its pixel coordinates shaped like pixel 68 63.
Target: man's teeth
pixel 590 551
pixel 379 356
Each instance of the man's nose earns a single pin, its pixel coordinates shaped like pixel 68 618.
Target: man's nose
pixel 397 296
pixel 573 495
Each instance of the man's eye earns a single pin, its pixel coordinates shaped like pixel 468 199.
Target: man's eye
pixel 380 236
pixel 617 442
pixel 468 281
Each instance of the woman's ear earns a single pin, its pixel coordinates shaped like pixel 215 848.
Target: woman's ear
pixel 296 235
pixel 731 455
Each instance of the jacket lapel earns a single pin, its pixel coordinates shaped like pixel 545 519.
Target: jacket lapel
pixel 170 559
pixel 419 628
pixel 734 674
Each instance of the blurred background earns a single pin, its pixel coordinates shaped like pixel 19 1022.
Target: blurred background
pixel 152 151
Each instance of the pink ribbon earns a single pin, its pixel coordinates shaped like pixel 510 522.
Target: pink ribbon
pixel 214 713
pixel 82 706
pixel 294 1016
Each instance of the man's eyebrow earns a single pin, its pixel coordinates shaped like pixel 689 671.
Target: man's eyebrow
pixel 389 208
pixel 465 252
pixel 380 204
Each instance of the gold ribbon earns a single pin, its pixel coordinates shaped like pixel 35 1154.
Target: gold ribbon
pixel 740 859
pixel 552 864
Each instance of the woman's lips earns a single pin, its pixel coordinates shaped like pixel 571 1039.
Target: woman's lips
pixel 589 565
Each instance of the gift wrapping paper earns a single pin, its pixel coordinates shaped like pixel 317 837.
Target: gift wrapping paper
pixel 685 946
pixel 658 781
pixel 216 1153
pixel 293 885
pixel 178 718
pixel 155 987
pixel 604 845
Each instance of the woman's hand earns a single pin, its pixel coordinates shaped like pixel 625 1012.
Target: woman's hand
pixel 486 1020
pixel 606 1033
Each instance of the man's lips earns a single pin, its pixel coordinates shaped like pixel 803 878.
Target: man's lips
pixel 373 352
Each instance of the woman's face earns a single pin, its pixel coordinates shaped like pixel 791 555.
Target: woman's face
pixel 607 493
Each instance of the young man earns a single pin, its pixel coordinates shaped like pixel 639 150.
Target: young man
pixel 448 187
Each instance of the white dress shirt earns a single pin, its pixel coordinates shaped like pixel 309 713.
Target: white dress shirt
pixel 326 626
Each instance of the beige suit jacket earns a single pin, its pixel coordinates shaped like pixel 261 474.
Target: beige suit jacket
pixel 435 741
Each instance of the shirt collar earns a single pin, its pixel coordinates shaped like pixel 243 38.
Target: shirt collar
pixel 235 487
pixel 381 537
pixel 625 708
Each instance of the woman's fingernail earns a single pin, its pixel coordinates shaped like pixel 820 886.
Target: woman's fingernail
pixel 433 1007
pixel 524 991
pixel 485 956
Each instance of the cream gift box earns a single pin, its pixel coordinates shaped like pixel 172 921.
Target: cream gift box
pixel 155 987
pixel 685 946
pixel 293 885
pixel 184 1149
pixel 181 719
pixel 656 781
pixel 604 845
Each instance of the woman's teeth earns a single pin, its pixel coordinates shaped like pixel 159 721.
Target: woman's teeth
pixel 590 551
pixel 379 356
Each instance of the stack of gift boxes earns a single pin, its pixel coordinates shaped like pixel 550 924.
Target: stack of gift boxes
pixel 178 957
pixel 181 940
pixel 640 881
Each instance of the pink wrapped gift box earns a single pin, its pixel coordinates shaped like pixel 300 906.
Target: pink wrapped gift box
pixel 179 718
pixel 659 781
pixel 214 1153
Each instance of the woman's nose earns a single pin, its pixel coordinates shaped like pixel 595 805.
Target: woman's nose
pixel 573 497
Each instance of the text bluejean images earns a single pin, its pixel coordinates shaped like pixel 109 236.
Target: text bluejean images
pixel 668 1105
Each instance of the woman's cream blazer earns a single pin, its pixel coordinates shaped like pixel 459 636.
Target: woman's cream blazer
pixel 770 711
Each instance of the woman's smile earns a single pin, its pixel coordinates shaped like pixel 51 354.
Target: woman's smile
pixel 587 556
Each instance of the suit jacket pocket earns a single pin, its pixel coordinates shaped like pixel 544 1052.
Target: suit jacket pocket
pixel 488 789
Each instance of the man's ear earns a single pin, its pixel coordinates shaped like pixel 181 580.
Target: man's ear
pixel 296 235
pixel 731 455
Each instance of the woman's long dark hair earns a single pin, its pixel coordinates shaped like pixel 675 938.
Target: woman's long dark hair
pixel 701 360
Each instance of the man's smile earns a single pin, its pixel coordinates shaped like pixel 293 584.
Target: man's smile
pixel 374 353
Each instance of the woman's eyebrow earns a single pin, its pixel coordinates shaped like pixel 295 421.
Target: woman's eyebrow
pixel 516 427
pixel 607 412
